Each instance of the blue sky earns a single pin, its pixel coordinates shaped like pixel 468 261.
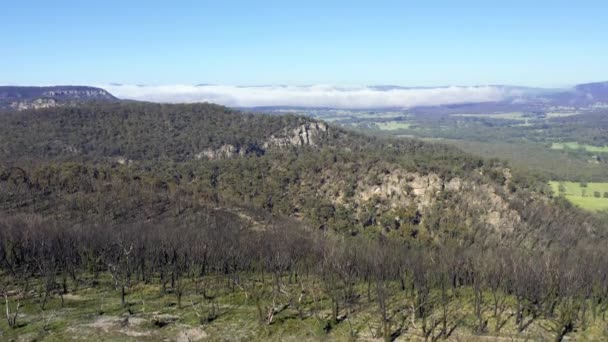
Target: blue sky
pixel 413 43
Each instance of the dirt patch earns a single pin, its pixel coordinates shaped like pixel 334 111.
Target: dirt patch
pixel 104 323
pixel 120 325
pixel 164 320
pixel 191 335
pixel 75 297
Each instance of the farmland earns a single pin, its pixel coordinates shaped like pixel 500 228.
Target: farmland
pixel 504 116
pixel 559 142
pixel 590 196
pixel 393 125
pixel 572 145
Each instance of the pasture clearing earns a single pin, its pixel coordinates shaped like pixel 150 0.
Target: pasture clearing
pixel 584 195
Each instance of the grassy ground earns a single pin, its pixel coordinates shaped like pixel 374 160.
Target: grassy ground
pixel 533 156
pixel 393 125
pixel 379 115
pixel 583 196
pixel 506 116
pixel 576 146
pixel 518 115
pixel 95 313
pixel 561 114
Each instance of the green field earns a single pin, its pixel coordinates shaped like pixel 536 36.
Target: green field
pixel 561 114
pixel 583 196
pixel 575 146
pixel 393 125
pixel 504 116
pixel 381 115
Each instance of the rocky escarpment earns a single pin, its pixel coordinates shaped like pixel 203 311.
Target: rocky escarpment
pixel 229 151
pixel 23 98
pixel 392 194
pixel 307 134
pixel 35 104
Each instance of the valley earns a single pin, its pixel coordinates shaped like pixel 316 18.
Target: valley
pixel 188 171
pixel 560 140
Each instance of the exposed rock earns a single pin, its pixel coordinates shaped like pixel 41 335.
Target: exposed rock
pixel 62 147
pixel 191 334
pixel 224 151
pixel 399 189
pixel 35 104
pixel 163 320
pixel 402 186
pixel 498 213
pixel 228 151
pixel 453 185
pixel 23 98
pixel 123 161
pixel 85 93
pixel 128 326
pixel 307 134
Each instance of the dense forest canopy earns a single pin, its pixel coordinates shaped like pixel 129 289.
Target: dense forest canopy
pixel 73 149
pixel 138 131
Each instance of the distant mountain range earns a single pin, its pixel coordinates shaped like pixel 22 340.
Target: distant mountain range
pixel 583 96
pixel 491 98
pixel 21 98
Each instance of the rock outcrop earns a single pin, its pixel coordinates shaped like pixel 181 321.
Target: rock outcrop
pixel 222 152
pixel 228 151
pixel 307 134
pixel 398 189
pixel 35 104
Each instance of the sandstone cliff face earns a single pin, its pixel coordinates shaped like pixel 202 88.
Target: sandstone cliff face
pixel 35 104
pixel 23 98
pixel 396 189
pixel 223 152
pixel 87 93
pixel 388 188
pixel 308 134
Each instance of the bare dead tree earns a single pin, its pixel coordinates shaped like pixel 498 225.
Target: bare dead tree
pixel 119 264
pixel 11 315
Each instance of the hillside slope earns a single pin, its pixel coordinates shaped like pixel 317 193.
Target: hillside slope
pixel 203 154
pixel 137 221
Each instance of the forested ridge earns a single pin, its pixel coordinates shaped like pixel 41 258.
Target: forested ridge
pixel 137 131
pixel 314 226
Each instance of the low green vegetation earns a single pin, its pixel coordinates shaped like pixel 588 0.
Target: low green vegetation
pixel 393 125
pixel 552 164
pixel 214 280
pixel 575 146
pixel 590 196
pixel 561 114
pixel 218 308
pixel 379 115
pixel 564 143
pixel 504 116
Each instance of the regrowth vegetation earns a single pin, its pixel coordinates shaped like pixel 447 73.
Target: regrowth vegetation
pixel 205 222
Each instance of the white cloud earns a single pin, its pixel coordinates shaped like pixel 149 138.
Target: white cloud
pixel 311 96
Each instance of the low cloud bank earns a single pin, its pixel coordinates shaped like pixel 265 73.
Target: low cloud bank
pixel 312 96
